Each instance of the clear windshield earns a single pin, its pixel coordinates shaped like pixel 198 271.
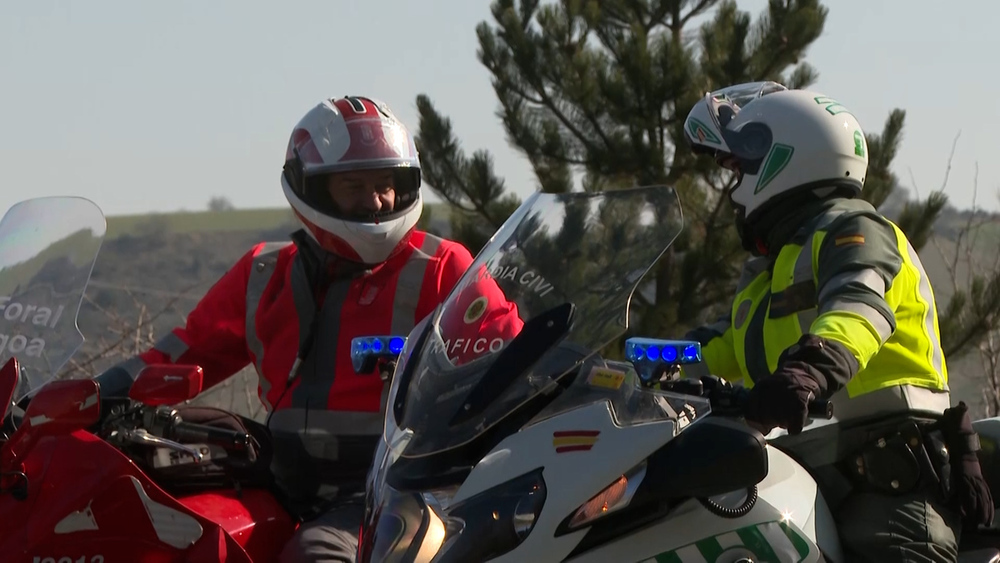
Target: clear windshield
pixel 585 249
pixel 48 247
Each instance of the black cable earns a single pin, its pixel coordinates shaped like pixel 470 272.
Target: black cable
pixel 306 343
pixel 726 512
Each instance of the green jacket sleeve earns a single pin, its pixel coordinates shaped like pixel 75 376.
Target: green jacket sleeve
pixel 857 262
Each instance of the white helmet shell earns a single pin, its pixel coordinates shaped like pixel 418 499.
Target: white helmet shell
pixel 347 134
pixel 783 140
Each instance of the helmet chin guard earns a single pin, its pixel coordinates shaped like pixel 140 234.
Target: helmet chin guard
pixel 347 135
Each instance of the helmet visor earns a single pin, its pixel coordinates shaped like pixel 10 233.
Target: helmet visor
pixel 749 142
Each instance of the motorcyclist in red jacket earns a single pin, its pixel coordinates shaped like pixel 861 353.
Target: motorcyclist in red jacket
pixel 359 267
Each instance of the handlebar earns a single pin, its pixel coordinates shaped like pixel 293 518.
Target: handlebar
pixel 732 401
pixel 202 433
pixel 162 427
pixel 821 408
pixel 728 400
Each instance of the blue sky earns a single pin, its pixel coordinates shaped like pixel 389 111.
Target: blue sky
pixel 158 106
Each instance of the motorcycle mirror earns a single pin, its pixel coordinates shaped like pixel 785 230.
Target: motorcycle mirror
pixel 10 375
pixel 60 407
pixel 652 357
pixel 369 352
pixel 167 384
pixel 720 456
pixel 63 406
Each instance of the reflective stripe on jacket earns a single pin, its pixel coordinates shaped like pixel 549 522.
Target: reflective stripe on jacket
pixel 260 310
pixel 850 276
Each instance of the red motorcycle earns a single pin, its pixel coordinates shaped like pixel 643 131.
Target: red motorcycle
pixel 91 480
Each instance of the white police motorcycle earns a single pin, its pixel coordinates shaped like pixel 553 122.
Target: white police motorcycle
pixel 509 438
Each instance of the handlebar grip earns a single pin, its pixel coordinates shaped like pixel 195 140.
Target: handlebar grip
pixel 730 402
pixel 821 408
pixel 191 432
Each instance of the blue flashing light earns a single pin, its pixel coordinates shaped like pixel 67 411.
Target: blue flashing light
pixel 366 351
pixel 650 354
pixel 669 354
pixel 653 353
pixel 692 353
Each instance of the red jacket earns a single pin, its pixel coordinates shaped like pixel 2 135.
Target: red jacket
pixel 253 314
pixel 325 421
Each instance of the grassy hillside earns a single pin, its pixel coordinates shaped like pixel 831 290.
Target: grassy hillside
pixel 199 221
pixel 65 263
pixel 266 219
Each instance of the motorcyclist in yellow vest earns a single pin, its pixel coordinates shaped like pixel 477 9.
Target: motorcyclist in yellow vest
pixel 834 303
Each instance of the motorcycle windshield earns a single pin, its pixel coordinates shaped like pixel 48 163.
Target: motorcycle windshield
pixel 506 334
pixel 48 247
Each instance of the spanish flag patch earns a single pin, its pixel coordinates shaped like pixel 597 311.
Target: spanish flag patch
pixel 574 440
pixel 849 239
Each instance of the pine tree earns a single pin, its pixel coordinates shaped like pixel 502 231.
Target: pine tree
pixel 594 94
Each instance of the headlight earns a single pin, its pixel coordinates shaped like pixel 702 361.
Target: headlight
pixel 494 521
pixel 418 528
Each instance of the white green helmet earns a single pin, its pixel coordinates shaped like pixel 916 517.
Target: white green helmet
pixel 779 141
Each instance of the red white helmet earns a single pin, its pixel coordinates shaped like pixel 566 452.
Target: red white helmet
pixel 347 134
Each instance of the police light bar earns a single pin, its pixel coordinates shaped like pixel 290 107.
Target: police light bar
pixel 652 356
pixel 366 351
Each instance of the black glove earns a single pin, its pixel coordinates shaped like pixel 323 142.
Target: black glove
pixel 970 494
pixel 114 382
pixel 15 415
pixel 24 402
pixel 812 368
pixel 781 399
pixel 113 385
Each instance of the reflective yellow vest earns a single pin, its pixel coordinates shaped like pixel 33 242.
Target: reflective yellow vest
pixel 848 275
